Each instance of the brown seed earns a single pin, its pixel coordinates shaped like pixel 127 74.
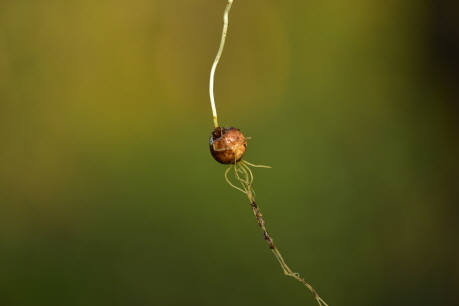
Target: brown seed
pixel 227 145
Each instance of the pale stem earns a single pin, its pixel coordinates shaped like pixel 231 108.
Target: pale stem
pixel 214 66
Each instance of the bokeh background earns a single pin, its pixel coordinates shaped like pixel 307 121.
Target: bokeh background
pixel 108 193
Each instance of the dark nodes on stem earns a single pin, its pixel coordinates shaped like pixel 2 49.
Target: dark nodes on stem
pixel 227 145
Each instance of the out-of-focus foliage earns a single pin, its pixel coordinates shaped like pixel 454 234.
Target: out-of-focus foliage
pixel 109 196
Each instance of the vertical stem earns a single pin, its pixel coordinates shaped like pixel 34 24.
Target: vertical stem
pixel 261 223
pixel 247 184
pixel 214 66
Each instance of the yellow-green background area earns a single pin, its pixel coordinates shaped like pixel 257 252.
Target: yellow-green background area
pixel 109 195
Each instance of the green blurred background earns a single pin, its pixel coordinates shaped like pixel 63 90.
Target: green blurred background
pixel 109 195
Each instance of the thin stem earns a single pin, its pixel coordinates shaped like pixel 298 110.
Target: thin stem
pixel 214 66
pixel 246 181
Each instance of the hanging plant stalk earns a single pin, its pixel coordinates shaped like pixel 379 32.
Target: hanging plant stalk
pixel 228 146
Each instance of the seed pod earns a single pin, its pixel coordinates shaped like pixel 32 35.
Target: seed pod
pixel 227 145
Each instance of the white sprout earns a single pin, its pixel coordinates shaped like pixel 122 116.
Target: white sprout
pixel 214 66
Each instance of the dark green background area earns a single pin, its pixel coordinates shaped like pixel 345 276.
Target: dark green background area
pixel 108 192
